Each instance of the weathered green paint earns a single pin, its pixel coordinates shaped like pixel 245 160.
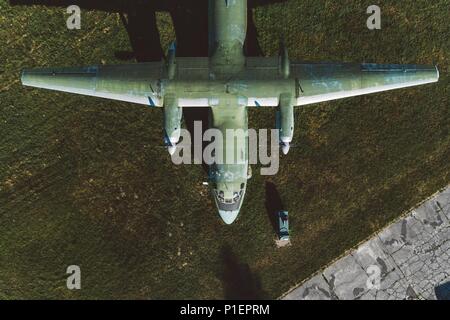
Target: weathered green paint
pixel 228 29
pixel 228 82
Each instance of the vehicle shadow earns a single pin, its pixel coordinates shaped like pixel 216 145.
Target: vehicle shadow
pixel 274 204
pixel 239 283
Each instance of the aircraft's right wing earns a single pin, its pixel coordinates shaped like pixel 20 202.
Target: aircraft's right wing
pixel 137 83
pixel 318 82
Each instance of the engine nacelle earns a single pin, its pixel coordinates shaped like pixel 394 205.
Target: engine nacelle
pixel 284 63
pixel 172 123
pixel 285 122
pixel 171 61
pixel 172 112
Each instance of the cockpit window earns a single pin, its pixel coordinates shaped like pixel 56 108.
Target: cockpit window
pixel 220 196
pixel 236 196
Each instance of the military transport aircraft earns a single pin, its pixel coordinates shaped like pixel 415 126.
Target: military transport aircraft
pixel 227 82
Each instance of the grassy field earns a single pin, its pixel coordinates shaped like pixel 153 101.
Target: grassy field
pixel 83 181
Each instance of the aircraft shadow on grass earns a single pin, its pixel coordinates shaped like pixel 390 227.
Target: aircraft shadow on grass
pixel 239 282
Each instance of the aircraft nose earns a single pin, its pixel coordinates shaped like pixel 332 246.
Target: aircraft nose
pixel 285 148
pixel 228 216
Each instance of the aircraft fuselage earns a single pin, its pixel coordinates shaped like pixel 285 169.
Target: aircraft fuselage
pixel 227 32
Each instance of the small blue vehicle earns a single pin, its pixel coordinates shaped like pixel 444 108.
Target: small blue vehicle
pixel 283 225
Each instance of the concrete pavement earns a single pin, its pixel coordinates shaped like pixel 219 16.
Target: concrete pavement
pixel 410 259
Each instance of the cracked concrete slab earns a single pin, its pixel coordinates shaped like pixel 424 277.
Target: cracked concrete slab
pixel 410 259
pixel 374 260
pixel 315 288
pixel 372 253
pixel 431 217
pixel 346 278
pixel 442 202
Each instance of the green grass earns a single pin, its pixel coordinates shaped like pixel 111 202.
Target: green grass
pixel 83 182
